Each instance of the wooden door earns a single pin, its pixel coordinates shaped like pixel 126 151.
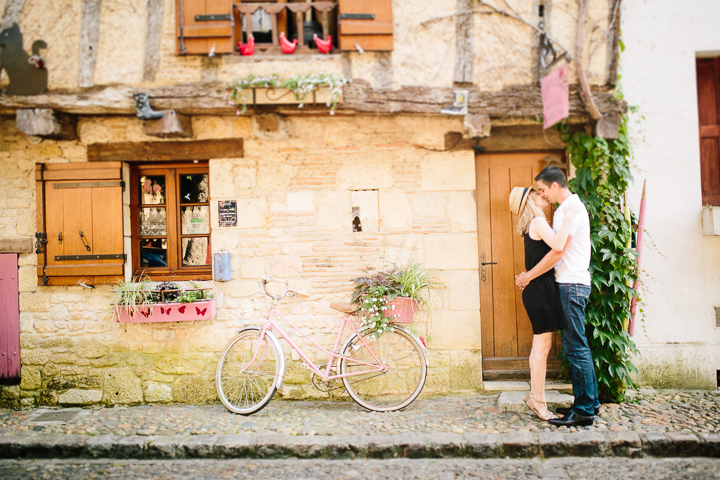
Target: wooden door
pixel 9 317
pixel 505 327
pixel 708 86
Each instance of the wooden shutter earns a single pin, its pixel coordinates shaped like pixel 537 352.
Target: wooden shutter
pixel 87 198
pixel 708 79
pixel 374 34
pixel 206 23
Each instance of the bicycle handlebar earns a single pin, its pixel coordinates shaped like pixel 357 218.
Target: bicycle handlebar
pixel 267 279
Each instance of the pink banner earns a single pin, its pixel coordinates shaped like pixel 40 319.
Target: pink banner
pixel 555 96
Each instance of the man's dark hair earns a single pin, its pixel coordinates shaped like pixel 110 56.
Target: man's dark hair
pixel 548 175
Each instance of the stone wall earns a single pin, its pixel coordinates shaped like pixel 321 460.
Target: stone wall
pixel 295 189
pixel 504 49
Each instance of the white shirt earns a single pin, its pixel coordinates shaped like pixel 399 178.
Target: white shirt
pixel 575 264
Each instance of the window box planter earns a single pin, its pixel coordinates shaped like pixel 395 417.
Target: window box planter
pixel 169 312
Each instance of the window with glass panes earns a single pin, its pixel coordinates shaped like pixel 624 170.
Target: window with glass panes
pixel 171 221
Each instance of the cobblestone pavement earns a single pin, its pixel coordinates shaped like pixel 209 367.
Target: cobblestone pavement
pixel 559 468
pixel 647 411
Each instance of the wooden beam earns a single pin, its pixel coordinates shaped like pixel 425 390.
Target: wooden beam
pixel 89 41
pixel 464 52
pixel 359 97
pixel 16 245
pixel 166 151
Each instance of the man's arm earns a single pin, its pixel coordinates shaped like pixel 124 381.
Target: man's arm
pixel 545 265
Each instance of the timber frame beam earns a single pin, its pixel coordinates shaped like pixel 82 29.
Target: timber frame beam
pixel 515 104
pixel 166 151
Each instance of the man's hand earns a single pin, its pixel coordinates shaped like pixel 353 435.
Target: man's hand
pixel 522 280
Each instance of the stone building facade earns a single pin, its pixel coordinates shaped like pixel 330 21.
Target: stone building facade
pixel 387 151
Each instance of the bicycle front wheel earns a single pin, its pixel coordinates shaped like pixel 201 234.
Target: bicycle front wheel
pixel 248 372
pixel 397 384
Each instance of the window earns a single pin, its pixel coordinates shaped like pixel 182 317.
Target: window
pixel 217 26
pixel 170 207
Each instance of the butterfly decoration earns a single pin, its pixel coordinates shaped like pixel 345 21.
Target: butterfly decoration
pixel 145 312
pixel 200 312
pixel 166 312
pixel 182 309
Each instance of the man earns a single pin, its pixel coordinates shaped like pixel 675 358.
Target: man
pixel 572 276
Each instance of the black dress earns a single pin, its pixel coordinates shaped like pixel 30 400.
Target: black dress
pixel 540 297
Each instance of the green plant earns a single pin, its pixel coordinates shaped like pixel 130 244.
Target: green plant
pixel 414 282
pixel 372 294
pixel 301 87
pixel 132 296
pixel 189 296
pixel 601 179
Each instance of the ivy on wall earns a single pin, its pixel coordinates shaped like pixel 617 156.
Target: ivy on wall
pixel 602 174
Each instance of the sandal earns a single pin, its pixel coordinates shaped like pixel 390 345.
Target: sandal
pixel 531 402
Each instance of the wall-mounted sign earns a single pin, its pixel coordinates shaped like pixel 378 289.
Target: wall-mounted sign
pixel 227 213
pixel 555 96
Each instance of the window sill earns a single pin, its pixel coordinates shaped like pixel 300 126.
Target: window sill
pixel 259 58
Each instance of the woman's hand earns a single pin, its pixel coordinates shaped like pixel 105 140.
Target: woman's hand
pixel 570 212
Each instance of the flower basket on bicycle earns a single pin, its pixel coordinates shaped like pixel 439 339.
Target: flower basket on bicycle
pixel 402 309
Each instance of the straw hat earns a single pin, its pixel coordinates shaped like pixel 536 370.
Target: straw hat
pixel 518 197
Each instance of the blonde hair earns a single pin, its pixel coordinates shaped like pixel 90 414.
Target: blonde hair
pixel 529 212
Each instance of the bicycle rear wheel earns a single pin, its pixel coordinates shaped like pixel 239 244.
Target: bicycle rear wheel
pixel 246 384
pixel 396 386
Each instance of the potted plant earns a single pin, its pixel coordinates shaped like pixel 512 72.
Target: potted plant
pixel 139 302
pixel 393 296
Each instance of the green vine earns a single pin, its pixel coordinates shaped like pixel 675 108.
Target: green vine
pixel 301 87
pixel 602 174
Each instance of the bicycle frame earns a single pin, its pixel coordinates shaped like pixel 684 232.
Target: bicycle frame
pixel 272 325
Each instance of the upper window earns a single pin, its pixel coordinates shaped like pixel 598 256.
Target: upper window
pixel 708 89
pixel 171 221
pixel 222 26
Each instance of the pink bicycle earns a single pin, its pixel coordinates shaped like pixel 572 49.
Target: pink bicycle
pixel 380 374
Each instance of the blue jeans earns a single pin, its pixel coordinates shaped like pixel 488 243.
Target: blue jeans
pixel 574 298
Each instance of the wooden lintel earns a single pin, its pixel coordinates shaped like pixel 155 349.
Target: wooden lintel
pixel 166 151
pixel 16 245
pixel 517 138
pixel 46 123
pixel 358 98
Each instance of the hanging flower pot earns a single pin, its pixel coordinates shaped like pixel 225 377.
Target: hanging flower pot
pixel 404 308
pixel 168 312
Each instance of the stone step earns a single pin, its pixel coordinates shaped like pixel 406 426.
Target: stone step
pixel 523 385
pixel 513 401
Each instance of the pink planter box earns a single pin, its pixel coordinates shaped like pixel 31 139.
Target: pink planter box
pixel 170 312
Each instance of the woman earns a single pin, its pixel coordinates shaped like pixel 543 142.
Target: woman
pixel 540 297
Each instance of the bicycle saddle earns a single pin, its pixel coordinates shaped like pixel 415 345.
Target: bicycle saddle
pixel 349 308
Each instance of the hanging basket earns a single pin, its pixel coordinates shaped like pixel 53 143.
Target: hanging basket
pixel 404 308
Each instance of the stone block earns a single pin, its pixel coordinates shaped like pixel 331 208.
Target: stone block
pixel 655 444
pixel 709 445
pixel 333 211
pixel 395 210
pixel 99 446
pixel 466 371
pixel 683 444
pixel 300 201
pixel 271 126
pixel 462 212
pixel 589 444
pixel 429 207
pixel 362 175
pixel 178 365
pixel 255 213
pixel 77 396
pixel 200 446
pixel 234 446
pixel 170 446
pixel 464 290
pixel 447 445
pixel 46 123
pixel 27 279
pixel 34 357
pixel 30 378
pixel 26 322
pixel 158 393
pixel 192 390
pixel 90 348
pixel 221 178
pixel 482 445
pixel 16 245
pixel 122 386
pixel 448 171
pixel 133 446
pixel 446 251
pixel 519 444
pixel 455 330
pixel 253 268
pixel 284 266
pixel 513 401
pixel 554 444
pixel 625 444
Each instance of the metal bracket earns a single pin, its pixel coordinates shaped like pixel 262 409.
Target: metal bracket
pixel 357 16
pixel 40 242
pixel 113 256
pixel 89 184
pixel 211 18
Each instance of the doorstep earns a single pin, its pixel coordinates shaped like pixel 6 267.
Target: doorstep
pixel 522 385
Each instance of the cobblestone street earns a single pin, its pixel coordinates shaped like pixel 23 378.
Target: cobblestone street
pixel 558 468
pixel 647 411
